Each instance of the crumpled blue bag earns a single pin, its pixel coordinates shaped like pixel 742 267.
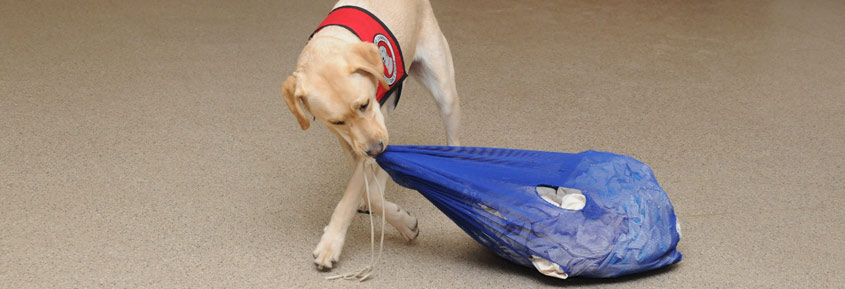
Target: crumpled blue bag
pixel 627 224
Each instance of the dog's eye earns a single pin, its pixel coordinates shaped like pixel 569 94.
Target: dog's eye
pixel 338 122
pixel 364 107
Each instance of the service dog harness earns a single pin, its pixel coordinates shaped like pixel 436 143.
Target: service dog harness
pixel 369 28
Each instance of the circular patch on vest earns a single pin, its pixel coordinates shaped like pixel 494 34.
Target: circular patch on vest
pixel 387 57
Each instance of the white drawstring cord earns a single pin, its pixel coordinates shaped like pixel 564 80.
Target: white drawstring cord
pixel 365 273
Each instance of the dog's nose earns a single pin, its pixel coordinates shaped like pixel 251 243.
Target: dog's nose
pixel 376 149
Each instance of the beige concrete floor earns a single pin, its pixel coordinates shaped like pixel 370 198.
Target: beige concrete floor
pixel 146 144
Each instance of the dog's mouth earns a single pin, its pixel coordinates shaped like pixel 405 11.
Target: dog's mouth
pixel 364 139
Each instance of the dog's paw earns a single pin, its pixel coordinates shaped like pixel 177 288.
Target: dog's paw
pixel 327 253
pixel 363 208
pixel 411 228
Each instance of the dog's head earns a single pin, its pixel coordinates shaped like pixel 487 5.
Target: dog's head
pixel 337 83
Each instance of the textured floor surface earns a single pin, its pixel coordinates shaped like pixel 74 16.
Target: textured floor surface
pixel 146 144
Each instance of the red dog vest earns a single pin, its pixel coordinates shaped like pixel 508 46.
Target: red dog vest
pixel 369 28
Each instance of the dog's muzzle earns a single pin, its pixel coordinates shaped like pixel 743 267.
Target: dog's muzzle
pixel 376 149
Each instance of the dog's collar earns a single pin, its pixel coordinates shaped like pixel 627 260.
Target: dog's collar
pixel 369 28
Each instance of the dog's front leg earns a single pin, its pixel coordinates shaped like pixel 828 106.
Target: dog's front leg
pixel 398 217
pixel 328 250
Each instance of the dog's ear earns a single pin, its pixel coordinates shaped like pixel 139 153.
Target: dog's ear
pixel 364 57
pixel 293 97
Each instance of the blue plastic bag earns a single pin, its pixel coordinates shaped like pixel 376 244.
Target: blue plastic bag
pixel 627 224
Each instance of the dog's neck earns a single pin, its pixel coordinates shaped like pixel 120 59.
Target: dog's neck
pixel 326 42
pixel 334 33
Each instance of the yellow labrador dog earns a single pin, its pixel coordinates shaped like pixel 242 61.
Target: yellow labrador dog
pixel 337 77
